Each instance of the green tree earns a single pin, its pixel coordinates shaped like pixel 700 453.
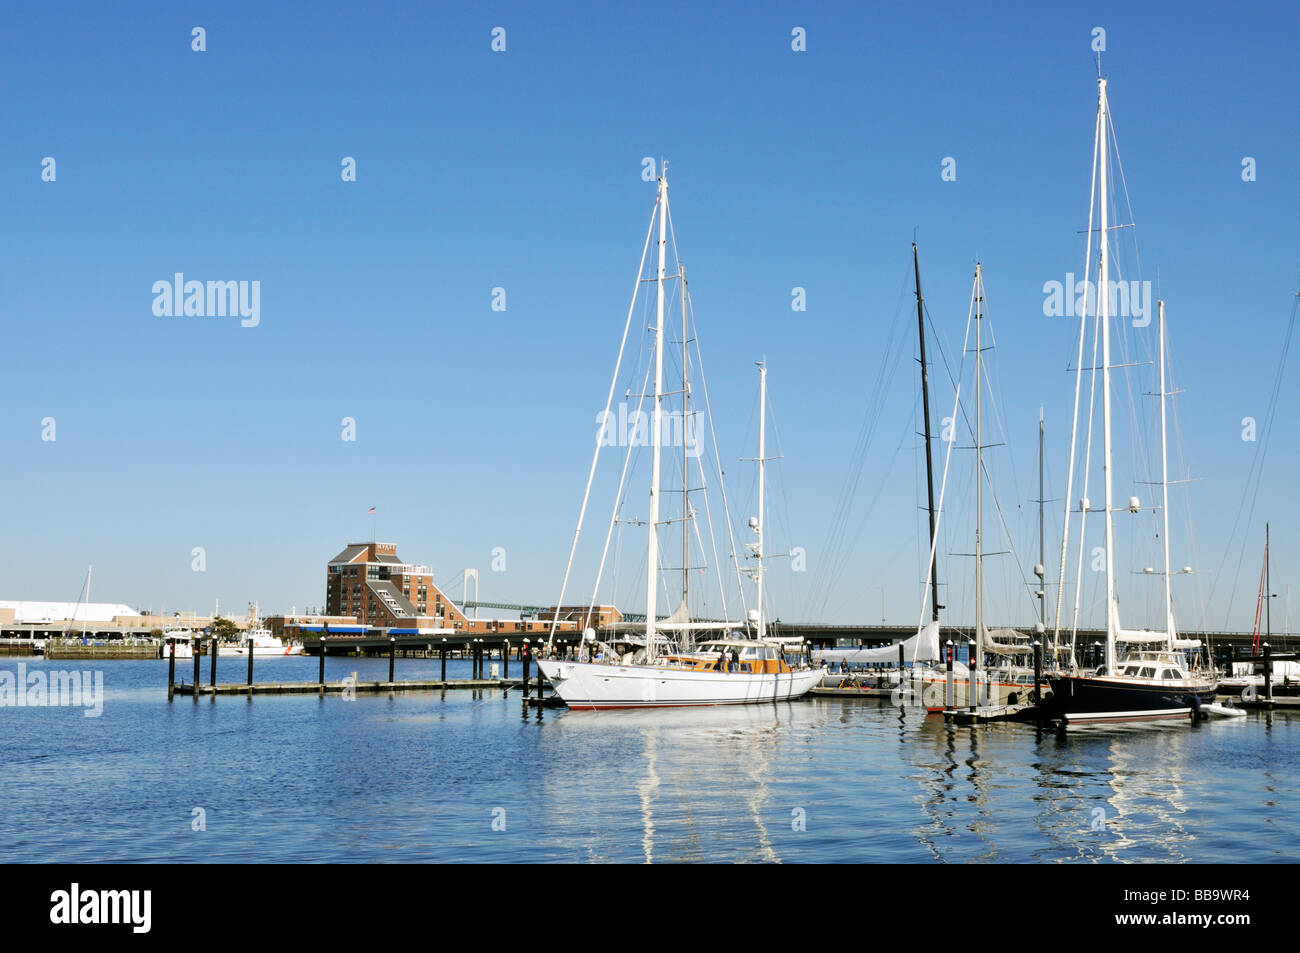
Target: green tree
pixel 225 629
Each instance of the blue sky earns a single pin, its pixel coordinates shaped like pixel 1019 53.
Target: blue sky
pixel 522 170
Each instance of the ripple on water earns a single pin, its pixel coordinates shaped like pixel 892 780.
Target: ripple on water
pixel 423 777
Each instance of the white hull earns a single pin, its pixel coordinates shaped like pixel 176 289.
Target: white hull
pixel 589 685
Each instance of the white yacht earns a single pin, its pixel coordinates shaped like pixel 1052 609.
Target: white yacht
pixel 666 669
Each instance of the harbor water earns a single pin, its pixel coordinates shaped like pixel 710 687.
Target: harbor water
pixel 476 776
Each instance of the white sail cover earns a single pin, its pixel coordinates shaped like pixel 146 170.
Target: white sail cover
pixel 1141 636
pixel 922 647
pixel 991 643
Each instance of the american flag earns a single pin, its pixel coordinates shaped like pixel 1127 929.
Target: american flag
pixel 372 511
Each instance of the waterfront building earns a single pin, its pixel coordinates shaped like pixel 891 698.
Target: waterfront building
pixel 368 584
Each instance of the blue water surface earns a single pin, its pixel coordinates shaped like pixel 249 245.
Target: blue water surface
pixel 474 776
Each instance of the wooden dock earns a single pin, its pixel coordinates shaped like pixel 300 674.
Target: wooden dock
pixel 341 687
pixel 985 714
pixel 351 686
pixel 1260 703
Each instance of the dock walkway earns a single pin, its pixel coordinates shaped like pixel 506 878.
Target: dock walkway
pixel 340 687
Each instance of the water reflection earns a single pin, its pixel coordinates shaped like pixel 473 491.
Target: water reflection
pixel 1119 793
pixel 418 776
pixel 700 778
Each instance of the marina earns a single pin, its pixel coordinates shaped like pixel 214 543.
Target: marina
pixel 482 538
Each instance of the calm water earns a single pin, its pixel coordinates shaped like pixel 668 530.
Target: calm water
pixel 420 777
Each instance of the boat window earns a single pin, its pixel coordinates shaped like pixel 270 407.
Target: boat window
pixel 1148 671
pixel 1131 670
pixel 1169 673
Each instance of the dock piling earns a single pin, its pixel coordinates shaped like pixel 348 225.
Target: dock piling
pixel 443 652
pixel 392 656
pixel 524 660
pixel 950 690
pixel 1038 672
pixel 197 646
pixel 212 664
pixel 1268 673
pixel 171 669
pixel 901 673
pixel 321 677
pixel 973 679
pixel 250 666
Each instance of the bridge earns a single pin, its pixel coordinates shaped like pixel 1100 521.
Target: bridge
pixel 874 634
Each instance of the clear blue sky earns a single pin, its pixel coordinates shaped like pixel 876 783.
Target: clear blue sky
pixel 522 170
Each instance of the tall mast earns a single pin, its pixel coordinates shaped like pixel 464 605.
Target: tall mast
pixel 686 468
pixel 1164 485
pixel 1268 592
pixel 762 486
pixel 929 462
pixel 1042 546
pixel 652 550
pixel 979 474
pixel 1103 302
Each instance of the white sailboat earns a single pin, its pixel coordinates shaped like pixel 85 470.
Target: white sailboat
pixel 664 669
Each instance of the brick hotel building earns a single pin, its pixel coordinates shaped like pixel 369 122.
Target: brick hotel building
pixel 368 585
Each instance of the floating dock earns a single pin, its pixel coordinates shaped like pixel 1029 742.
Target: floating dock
pixel 853 692
pixel 1260 703
pixel 984 714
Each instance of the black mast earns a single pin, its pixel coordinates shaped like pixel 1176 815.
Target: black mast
pixel 929 461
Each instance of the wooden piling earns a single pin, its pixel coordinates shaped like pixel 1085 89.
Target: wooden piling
pixel 443 652
pixel 972 679
pixel 196 646
pixel 171 668
pixel 321 678
pixel 505 659
pixel 392 656
pixel 212 665
pixel 901 686
pixel 250 665
pixel 1268 673
pixel 524 660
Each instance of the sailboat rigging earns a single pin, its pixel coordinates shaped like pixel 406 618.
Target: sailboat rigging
pixel 666 669
pixel 1155 680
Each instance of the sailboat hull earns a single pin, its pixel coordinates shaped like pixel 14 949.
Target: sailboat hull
pixel 592 686
pixel 1079 699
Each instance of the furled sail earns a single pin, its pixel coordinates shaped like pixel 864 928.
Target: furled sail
pixel 922 647
pixel 998 642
